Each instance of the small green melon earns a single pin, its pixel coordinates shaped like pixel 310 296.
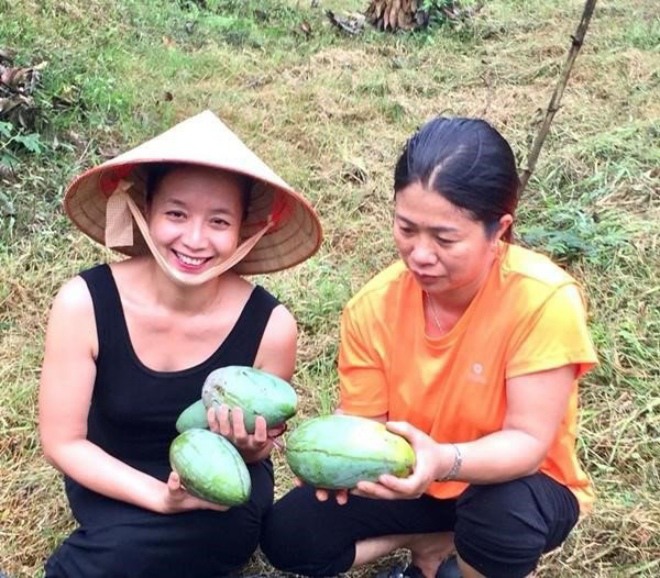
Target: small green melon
pixel 210 467
pixel 194 416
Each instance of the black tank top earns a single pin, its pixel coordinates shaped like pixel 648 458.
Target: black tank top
pixel 134 409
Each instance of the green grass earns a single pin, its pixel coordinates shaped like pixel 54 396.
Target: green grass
pixel 330 113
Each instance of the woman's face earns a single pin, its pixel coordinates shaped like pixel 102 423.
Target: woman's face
pixel 446 250
pixel 195 217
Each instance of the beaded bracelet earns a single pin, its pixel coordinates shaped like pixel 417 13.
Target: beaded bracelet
pixel 455 468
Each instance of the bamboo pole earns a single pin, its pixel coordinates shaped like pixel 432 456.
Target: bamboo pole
pixel 553 106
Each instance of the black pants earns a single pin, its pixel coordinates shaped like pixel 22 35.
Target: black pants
pixel 128 542
pixel 501 530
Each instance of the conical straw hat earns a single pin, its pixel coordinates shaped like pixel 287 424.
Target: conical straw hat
pixel 293 232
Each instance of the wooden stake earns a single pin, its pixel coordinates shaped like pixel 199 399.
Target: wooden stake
pixel 553 106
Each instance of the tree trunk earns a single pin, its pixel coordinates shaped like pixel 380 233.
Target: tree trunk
pixel 395 14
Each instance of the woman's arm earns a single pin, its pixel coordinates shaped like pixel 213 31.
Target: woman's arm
pixel 549 354
pixel 536 404
pixel 65 393
pixel 276 355
pixel 277 351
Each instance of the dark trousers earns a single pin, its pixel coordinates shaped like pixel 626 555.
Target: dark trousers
pixel 128 542
pixel 501 530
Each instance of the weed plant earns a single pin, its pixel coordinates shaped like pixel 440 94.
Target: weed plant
pixel 330 113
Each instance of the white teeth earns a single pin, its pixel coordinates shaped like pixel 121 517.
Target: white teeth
pixel 190 260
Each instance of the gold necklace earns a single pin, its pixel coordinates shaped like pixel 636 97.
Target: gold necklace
pixel 434 313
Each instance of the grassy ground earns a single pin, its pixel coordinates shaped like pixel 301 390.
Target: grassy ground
pixel 330 112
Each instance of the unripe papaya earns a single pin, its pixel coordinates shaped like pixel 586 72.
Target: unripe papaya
pixel 255 391
pixel 194 416
pixel 338 451
pixel 210 467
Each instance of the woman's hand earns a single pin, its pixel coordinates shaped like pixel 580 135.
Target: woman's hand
pixel 177 499
pixel 229 423
pixel 430 458
pixel 323 495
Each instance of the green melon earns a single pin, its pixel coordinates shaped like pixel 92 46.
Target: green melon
pixel 210 467
pixel 194 416
pixel 255 391
pixel 338 451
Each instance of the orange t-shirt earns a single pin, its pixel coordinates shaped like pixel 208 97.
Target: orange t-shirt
pixel 527 317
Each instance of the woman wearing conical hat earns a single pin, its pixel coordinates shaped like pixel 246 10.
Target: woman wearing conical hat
pixel 129 345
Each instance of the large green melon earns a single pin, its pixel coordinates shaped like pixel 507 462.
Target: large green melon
pixel 255 391
pixel 210 467
pixel 338 451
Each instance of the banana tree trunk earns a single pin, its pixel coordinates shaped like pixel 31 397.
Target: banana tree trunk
pixel 395 14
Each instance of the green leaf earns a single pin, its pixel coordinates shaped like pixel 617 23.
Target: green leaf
pixel 6 129
pixel 31 142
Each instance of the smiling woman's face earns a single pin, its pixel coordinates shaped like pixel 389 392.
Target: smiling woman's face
pixel 448 252
pixel 195 217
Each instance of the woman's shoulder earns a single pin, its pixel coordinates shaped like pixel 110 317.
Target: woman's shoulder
pixel 381 287
pixel 522 263
pixel 73 298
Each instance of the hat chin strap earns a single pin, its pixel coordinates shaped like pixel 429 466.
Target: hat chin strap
pixel 121 197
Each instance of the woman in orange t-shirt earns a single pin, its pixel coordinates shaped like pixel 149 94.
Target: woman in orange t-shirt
pixel 471 348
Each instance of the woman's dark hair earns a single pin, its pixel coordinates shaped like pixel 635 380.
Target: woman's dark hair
pixel 156 172
pixel 466 161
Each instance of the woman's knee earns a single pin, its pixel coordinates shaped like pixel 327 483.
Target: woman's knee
pixel 88 555
pixel 295 538
pixel 287 537
pixel 275 540
pixel 502 530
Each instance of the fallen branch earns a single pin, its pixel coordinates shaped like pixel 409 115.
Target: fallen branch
pixel 553 106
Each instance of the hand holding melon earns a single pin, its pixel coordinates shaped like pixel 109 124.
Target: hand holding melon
pixel 332 452
pixel 338 451
pixel 255 392
pixel 210 467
